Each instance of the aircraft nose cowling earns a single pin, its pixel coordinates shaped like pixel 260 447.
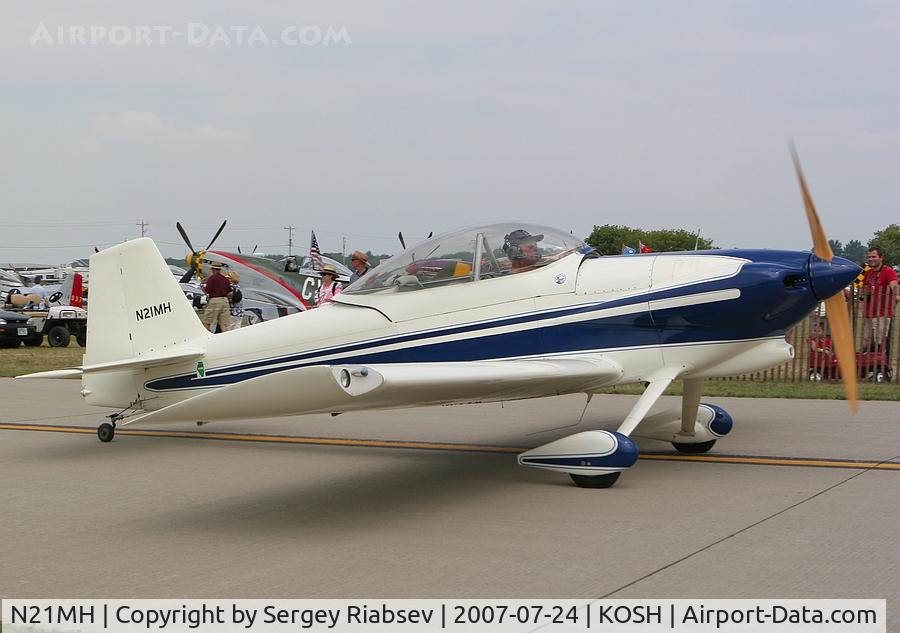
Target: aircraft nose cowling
pixel 829 278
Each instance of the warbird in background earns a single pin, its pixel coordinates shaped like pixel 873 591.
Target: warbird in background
pixel 270 288
pixel 509 311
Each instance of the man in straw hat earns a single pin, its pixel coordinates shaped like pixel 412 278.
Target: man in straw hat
pixel 359 262
pixel 217 310
pixel 330 286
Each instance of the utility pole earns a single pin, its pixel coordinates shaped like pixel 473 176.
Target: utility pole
pixel 290 230
pixel 143 226
pixel 697 241
pixel 344 250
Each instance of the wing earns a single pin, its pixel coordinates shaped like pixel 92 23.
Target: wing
pixel 334 388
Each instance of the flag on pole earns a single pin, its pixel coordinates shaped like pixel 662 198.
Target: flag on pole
pixel 627 250
pixel 314 253
pixel 644 248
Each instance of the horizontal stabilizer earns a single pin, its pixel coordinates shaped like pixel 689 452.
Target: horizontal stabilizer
pixel 148 360
pixel 139 362
pixel 331 388
pixel 74 372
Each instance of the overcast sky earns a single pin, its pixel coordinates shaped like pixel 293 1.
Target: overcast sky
pixel 424 116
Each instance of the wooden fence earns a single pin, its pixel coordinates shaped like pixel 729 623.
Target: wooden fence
pixel 813 358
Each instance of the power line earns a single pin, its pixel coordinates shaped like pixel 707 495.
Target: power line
pixel 60 224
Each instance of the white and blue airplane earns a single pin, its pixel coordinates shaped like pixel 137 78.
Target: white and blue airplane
pixel 489 313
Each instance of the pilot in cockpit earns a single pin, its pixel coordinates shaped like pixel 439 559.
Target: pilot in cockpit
pixel 521 248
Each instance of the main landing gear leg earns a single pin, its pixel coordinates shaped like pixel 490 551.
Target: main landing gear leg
pixel 594 459
pixel 651 394
pixel 690 405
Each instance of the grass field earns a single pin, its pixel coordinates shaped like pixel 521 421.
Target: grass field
pixel 24 360
pixel 775 389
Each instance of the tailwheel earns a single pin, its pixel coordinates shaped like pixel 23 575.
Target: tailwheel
pixel 595 481
pixel 106 432
pixel 699 447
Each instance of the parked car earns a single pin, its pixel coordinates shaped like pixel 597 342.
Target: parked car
pixel 14 329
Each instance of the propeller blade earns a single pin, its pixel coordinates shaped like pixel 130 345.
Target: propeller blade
pixel 255 246
pixel 219 232
pixel 96 250
pixel 239 250
pixel 821 247
pixel 185 237
pixel 842 335
pixel 430 233
pixel 402 242
pixel 836 305
pixel 186 277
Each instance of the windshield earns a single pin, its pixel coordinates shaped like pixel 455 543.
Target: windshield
pixel 470 254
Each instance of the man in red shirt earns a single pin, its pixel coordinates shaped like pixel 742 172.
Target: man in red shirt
pixel 879 292
pixel 218 310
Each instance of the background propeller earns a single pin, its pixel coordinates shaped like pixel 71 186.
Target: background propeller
pixel 836 305
pixel 195 258
pixel 403 242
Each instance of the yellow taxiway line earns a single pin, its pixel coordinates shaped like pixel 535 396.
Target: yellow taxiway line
pixel 447 446
pixel 284 439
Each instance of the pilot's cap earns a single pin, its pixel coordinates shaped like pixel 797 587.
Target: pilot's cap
pixel 521 236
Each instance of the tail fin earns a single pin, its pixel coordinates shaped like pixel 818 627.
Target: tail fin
pixel 136 305
pixel 72 291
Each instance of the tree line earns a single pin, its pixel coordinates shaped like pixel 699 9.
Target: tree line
pixel 610 239
pixel 887 239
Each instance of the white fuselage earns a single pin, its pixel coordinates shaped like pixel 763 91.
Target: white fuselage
pixel 573 308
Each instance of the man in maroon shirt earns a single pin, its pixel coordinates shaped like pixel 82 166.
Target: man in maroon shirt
pixel 218 310
pixel 879 292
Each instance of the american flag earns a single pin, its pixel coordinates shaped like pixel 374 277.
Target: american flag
pixel 314 253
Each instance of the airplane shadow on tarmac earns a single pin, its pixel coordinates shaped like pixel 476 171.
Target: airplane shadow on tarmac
pixel 235 488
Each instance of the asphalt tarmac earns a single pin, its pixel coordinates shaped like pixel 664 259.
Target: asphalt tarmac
pixel 270 515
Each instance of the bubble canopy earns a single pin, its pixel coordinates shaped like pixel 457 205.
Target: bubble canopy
pixel 471 254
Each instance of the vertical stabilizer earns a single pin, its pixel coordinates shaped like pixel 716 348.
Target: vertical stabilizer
pixel 72 289
pixel 136 305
